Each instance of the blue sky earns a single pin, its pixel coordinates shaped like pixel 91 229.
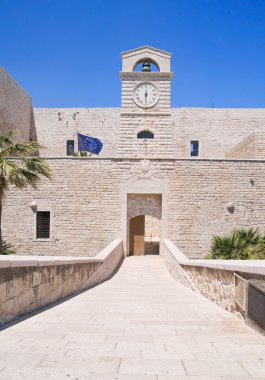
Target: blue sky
pixel 66 53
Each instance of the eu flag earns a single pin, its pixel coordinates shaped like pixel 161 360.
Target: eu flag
pixel 89 144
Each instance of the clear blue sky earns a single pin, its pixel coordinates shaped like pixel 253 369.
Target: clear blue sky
pixel 66 53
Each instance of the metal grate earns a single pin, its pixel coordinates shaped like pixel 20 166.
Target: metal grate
pixel 43 224
pixel 240 292
pixel 256 304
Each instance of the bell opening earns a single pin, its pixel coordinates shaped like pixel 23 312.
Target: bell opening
pixel 146 68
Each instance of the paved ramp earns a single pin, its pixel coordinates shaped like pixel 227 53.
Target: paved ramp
pixel 140 325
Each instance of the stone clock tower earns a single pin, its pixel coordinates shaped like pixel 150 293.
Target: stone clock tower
pixel 145 129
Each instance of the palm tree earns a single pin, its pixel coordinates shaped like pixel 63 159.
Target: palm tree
pixel 241 244
pixel 18 167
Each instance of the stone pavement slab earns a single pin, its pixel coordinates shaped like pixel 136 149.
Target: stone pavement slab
pixel 139 325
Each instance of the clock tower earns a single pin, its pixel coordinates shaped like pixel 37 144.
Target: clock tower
pixel 145 129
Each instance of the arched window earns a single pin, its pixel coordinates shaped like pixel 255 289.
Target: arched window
pixel 145 135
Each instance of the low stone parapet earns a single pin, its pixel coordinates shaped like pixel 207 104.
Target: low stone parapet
pixel 214 279
pixel 28 283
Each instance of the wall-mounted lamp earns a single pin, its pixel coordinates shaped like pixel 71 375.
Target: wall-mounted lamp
pixel 33 206
pixel 230 207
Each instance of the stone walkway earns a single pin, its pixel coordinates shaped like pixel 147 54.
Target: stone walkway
pixel 140 325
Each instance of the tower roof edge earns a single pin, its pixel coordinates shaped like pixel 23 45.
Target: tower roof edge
pixel 145 48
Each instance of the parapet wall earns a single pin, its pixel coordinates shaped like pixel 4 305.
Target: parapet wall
pixel 30 283
pixel 214 279
pixel 15 108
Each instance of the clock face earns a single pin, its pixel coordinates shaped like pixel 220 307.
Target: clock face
pixel 146 95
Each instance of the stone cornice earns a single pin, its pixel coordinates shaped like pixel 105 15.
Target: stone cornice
pixel 128 53
pixel 134 75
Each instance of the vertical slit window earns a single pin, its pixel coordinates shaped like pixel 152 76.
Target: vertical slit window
pixel 194 148
pixel 43 225
pixel 70 147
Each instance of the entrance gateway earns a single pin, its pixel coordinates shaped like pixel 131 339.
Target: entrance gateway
pixel 144 214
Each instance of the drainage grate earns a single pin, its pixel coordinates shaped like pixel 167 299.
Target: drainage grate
pixel 240 292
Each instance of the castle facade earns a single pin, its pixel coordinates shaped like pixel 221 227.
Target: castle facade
pixel 183 174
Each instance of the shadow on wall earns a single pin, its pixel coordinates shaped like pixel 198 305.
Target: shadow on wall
pixel 33 132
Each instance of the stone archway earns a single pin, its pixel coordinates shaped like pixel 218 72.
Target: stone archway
pixel 144 214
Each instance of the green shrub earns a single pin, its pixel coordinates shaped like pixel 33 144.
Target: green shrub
pixel 241 244
pixel 7 249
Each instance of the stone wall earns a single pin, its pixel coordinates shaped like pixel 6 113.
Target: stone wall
pixel 152 228
pixel 217 129
pixel 260 145
pixel 215 284
pixel 252 147
pixel 246 149
pixel 214 279
pixel 28 285
pixel 199 196
pixel 173 256
pixel 55 126
pixel 88 200
pixel 15 108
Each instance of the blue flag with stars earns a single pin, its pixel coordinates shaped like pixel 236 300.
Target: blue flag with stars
pixel 89 144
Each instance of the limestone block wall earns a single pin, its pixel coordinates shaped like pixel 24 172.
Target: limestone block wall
pixel 260 145
pixel 199 195
pixel 55 126
pixel 131 146
pixel 246 149
pixel 214 279
pixel 152 227
pixel 134 119
pixel 173 256
pixel 15 108
pixel 83 199
pixel 217 129
pixel 28 285
pixel 252 147
pixel 215 284
pixel 88 203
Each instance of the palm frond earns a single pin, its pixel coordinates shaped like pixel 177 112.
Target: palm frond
pixel 37 165
pixel 241 244
pixel 7 249
pixel 7 167
pixel 20 149
pixel 23 178
pixel 6 139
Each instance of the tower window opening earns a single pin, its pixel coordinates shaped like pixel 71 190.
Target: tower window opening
pixel 194 148
pixel 145 135
pixel 70 147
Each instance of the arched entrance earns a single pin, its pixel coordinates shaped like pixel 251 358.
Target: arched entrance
pixel 144 213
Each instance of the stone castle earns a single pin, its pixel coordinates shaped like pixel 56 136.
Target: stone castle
pixel 183 174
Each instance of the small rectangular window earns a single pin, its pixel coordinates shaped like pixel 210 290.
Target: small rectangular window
pixel 70 147
pixel 194 148
pixel 43 225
